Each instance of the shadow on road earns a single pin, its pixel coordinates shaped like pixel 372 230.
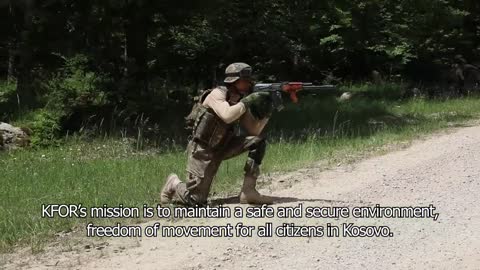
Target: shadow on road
pixel 280 200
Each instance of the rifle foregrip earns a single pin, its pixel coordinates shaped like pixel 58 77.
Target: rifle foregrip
pixel 293 97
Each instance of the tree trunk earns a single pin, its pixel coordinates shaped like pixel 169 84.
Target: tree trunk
pixel 25 92
pixel 11 64
pixel 138 17
pixel 471 25
pixel 12 48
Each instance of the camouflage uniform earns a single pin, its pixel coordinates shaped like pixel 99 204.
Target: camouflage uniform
pixel 219 135
pixel 204 163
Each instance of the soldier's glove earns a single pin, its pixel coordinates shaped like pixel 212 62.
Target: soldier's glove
pixel 260 104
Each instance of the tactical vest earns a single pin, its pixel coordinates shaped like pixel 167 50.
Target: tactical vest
pixel 208 129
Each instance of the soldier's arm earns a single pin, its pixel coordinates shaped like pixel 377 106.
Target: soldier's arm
pixel 216 100
pixel 253 126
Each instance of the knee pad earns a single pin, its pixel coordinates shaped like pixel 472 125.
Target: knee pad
pixel 257 151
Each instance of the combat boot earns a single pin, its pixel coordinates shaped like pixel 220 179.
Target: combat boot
pixel 168 190
pixel 250 195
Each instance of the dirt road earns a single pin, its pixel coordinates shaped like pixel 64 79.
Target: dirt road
pixel 443 170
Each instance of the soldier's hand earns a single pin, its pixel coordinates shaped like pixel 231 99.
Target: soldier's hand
pixel 260 104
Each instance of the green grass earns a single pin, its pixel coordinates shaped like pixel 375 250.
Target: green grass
pixel 111 171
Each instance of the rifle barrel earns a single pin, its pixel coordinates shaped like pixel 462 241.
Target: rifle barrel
pixel 320 87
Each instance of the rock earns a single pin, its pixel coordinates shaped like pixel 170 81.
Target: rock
pixel 13 137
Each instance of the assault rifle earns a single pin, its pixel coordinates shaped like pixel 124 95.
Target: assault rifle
pixel 291 89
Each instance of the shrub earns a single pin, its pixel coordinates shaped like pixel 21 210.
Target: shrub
pixel 44 126
pixel 70 88
pixel 385 91
pixel 74 86
pixel 7 98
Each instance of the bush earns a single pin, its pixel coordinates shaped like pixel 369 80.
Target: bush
pixel 7 98
pixel 45 126
pixel 385 91
pixel 74 86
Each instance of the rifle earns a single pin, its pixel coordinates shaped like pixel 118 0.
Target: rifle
pixel 291 89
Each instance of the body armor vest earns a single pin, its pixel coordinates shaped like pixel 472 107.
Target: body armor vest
pixel 208 129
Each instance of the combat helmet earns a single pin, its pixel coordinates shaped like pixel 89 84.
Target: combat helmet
pixel 236 71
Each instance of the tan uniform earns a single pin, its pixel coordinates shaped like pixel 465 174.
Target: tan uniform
pixel 203 161
pixel 217 101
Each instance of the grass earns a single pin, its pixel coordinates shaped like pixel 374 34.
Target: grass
pixel 110 171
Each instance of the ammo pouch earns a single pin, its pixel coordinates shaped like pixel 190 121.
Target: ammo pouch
pixel 209 130
pixel 197 110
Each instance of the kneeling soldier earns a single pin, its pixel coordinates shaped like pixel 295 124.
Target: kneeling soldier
pixel 214 139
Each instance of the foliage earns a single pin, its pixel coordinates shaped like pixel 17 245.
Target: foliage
pixel 8 98
pixel 142 40
pixel 77 57
pixel 7 89
pixel 73 86
pixel 389 91
pixel 45 126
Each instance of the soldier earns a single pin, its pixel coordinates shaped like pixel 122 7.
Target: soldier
pixel 216 138
pixel 459 67
pixel 462 71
